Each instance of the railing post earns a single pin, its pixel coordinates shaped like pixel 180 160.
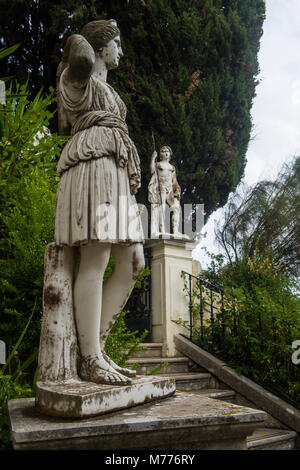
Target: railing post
pixel 191 307
pixel 201 310
pixel 212 319
pixel 223 323
pixel 235 332
pixel 234 319
pixel 289 341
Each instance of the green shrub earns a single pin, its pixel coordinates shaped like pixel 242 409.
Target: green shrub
pixel 27 190
pixel 14 385
pixel 253 330
pixel 9 389
pixel 122 343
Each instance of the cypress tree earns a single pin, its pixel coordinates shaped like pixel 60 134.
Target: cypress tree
pixel 189 74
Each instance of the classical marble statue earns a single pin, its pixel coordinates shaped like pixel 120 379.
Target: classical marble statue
pixel 96 215
pixel 163 189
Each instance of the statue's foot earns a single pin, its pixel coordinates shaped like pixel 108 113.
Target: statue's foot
pixel 155 234
pixel 96 369
pixel 122 370
pixel 177 234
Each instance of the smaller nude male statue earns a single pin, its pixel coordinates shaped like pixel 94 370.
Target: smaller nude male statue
pixel 163 188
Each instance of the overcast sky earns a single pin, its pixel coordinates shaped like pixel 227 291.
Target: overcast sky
pixel 276 108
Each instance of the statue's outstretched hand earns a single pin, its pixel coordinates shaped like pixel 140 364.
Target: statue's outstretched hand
pixel 154 155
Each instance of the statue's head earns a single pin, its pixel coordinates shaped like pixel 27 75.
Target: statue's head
pixel 165 153
pixel 104 37
pixel 98 33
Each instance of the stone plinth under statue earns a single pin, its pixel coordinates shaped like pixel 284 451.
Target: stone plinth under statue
pixel 81 399
pixel 170 257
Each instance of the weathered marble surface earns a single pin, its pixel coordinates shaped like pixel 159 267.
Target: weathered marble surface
pixel 79 399
pixel 169 302
pixel 57 352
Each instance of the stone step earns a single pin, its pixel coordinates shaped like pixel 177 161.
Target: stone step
pixel 184 421
pixel 175 364
pixel 271 439
pixel 189 381
pixel 152 350
pixel 224 395
pixel 198 382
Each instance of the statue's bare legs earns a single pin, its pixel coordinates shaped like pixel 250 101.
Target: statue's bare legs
pixel 158 215
pixel 175 207
pixel 89 302
pixel 129 263
pixel 87 306
pixel 157 220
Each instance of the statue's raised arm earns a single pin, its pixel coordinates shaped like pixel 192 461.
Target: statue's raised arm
pixel 78 61
pixel 80 57
pixel 153 163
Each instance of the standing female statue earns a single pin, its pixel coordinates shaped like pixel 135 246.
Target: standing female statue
pixel 96 207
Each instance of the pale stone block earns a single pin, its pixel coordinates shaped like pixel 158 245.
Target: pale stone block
pixel 169 301
pixel 80 399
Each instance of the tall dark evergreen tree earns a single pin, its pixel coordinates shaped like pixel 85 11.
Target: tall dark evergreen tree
pixel 189 74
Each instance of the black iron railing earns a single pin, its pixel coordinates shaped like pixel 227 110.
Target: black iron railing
pixel 257 343
pixel 205 302
pixel 139 304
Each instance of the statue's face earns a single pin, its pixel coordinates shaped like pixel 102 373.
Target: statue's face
pixel 165 154
pixel 112 53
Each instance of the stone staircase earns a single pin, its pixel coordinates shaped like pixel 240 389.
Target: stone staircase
pixel 191 378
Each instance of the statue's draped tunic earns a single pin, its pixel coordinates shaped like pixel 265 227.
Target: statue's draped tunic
pixel 100 170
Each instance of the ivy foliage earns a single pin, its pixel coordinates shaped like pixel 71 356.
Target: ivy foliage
pixel 189 74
